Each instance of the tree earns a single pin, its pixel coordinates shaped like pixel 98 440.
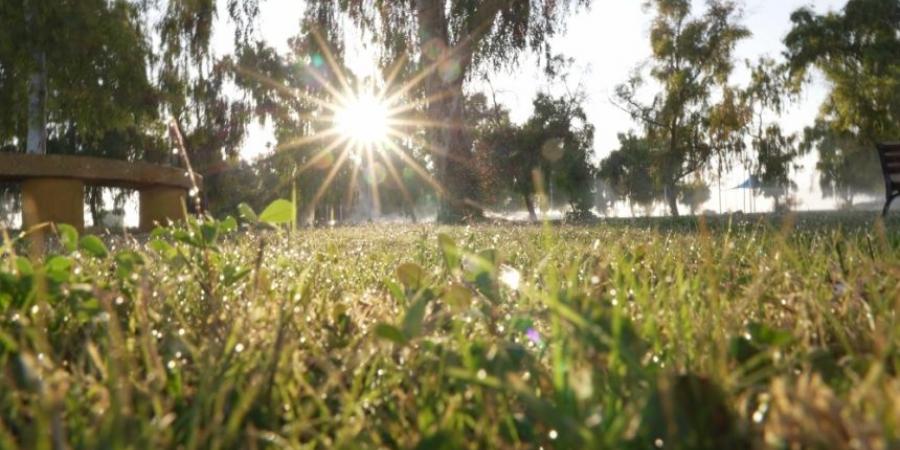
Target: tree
pixel 192 81
pixel 628 171
pixel 495 137
pixel 72 67
pixel 691 62
pixel 847 165
pixel 553 146
pixel 101 78
pixel 448 41
pixel 856 49
pixel 775 153
pixel 694 194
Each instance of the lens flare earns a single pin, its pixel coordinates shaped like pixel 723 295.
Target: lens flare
pixel 364 119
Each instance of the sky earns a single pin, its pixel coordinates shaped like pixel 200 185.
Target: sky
pixel 607 43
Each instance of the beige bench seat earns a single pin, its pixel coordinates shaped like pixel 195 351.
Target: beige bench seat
pixel 53 186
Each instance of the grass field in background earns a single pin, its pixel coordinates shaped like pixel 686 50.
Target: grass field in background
pixel 747 332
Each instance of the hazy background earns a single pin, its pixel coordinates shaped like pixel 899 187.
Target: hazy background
pixel 606 43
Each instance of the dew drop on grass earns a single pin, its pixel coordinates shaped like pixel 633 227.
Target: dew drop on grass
pixel 758 416
pixel 510 277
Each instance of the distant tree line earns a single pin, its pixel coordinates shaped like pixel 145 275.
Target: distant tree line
pixel 699 125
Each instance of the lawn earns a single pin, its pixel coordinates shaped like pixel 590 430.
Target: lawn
pixel 748 332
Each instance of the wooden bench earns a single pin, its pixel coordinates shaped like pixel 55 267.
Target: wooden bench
pixel 53 186
pixel 889 154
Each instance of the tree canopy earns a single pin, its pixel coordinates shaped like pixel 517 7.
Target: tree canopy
pixel 553 148
pixel 691 62
pixel 856 49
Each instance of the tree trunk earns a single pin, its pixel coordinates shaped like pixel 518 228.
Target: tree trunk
pixel 529 203
pixel 672 200
pixel 36 142
pixel 449 140
pixel 457 174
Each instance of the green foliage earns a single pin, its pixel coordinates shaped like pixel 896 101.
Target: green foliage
pixel 278 212
pixel 89 47
pixel 856 49
pixel 713 333
pixel 684 128
pixel 846 164
pixel 628 170
pixel 775 153
pixel 68 237
pixel 93 246
pixel 554 145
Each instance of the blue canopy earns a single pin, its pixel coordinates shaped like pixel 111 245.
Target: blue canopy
pixel 749 183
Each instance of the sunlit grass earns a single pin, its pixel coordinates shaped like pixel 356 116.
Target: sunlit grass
pixel 626 334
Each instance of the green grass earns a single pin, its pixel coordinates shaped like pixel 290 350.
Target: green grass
pixel 757 333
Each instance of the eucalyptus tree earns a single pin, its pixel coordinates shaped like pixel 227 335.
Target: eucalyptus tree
pixel 194 81
pixel 68 66
pixel 448 42
pixel 691 63
pixel 774 152
pixel 857 50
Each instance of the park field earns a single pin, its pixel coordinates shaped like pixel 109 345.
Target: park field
pixel 721 333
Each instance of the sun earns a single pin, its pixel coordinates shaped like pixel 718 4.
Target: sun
pixel 364 119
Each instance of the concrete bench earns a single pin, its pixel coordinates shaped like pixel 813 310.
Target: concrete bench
pixel 53 186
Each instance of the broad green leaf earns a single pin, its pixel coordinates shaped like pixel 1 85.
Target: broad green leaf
pixel 23 265
pixel 209 231
pixel 246 213
pixel 163 248
pixel 228 225
pixel 58 269
pixel 449 250
pixel 68 237
pixel 278 212
pixel 411 275
pixel 126 263
pixel 415 314
pixel 458 297
pixel 395 290
pixel 390 332
pixel 94 246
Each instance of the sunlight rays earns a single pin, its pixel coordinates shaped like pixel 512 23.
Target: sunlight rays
pixel 367 125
